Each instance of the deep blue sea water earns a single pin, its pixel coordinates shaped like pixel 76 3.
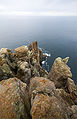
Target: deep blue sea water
pixel 57 35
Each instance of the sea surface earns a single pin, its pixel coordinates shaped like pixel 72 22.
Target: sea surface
pixel 56 36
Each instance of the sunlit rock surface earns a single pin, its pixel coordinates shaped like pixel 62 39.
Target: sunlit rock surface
pixel 60 72
pixel 72 90
pixel 41 85
pixel 45 107
pixel 14 102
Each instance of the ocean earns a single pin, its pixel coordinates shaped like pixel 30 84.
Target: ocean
pixel 56 35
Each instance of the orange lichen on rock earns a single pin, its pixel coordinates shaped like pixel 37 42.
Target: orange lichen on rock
pixel 12 96
pixel 45 107
pixel 41 84
pixel 43 81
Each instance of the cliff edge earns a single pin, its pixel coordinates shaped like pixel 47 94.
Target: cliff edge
pixel 27 91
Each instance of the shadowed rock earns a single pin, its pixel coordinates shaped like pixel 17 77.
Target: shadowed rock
pixel 72 89
pixel 71 85
pixel 24 72
pixel 65 96
pixel 6 64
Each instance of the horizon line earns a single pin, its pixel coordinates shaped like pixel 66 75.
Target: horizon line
pixel 24 13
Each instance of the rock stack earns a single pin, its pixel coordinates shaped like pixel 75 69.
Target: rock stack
pixel 27 91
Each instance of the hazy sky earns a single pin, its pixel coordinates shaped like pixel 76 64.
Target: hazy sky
pixel 39 7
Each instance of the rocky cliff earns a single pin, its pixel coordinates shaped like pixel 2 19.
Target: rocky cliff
pixel 27 91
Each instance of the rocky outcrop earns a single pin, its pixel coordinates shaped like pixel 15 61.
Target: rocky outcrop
pixel 28 62
pixel 27 91
pixel 6 64
pixel 61 75
pixel 14 103
pixel 46 104
pixel 23 63
pixel 38 54
pixel 60 72
pixel 41 84
pixel 45 107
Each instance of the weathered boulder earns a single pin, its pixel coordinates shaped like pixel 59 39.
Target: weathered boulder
pixel 41 85
pixel 40 107
pixel 45 107
pixel 60 72
pixel 14 103
pixel 21 51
